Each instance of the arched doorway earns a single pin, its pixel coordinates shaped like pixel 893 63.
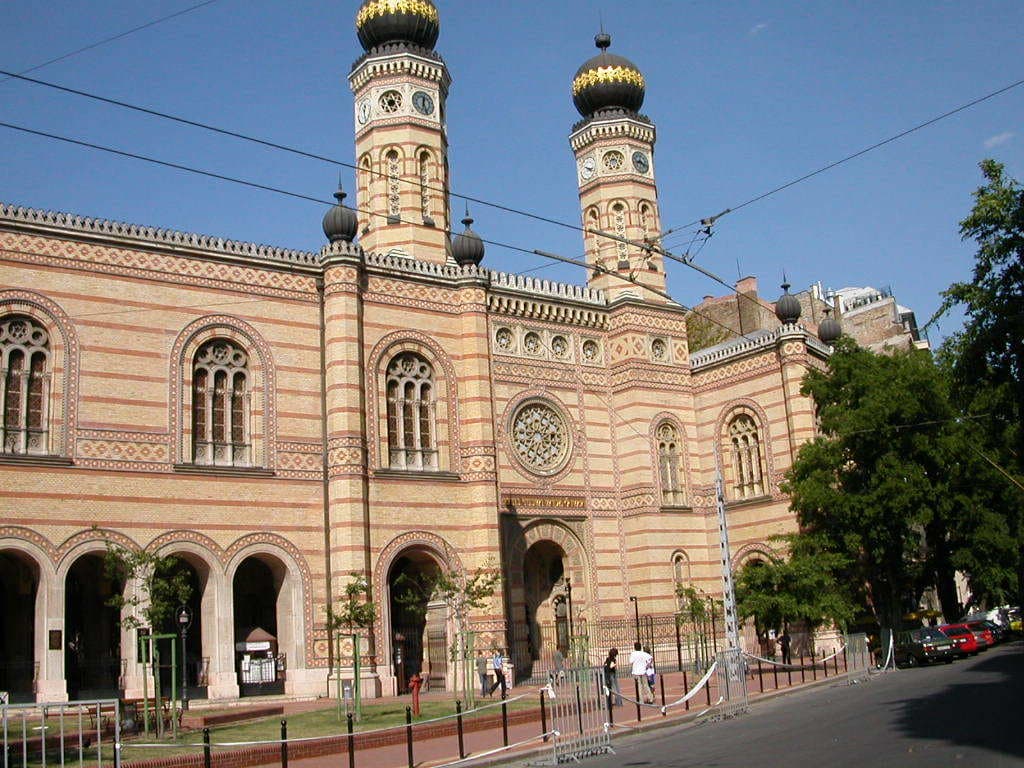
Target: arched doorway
pixel 546 605
pixel 419 626
pixel 178 569
pixel 19 587
pixel 258 606
pixel 92 634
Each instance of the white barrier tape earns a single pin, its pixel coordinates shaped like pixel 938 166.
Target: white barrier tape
pixel 814 661
pixel 693 691
pixel 471 758
pixel 609 726
pixel 704 712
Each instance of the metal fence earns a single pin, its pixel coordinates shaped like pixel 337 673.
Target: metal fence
pixel 578 715
pixel 75 733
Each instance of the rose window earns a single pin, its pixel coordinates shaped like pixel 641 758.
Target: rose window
pixel 559 346
pixel 658 349
pixel 590 351
pixel 531 343
pixel 504 339
pixel 613 161
pixel 539 437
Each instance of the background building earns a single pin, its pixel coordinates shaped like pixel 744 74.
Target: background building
pixel 278 420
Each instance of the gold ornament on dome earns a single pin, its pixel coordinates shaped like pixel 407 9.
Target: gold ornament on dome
pixel 618 74
pixel 377 8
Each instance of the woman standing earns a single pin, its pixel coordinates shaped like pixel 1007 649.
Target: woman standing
pixel 611 676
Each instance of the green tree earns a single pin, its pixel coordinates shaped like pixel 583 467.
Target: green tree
pixel 872 487
pixel 162 586
pixel 354 610
pixel 807 585
pixel 986 360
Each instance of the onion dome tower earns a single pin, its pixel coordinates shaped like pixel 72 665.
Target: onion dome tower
pixel 400 86
pixel 340 221
pixel 614 148
pixel 467 247
pixel 787 308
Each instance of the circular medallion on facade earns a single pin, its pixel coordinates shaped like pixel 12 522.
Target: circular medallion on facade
pixel 640 162
pixel 390 102
pixel 504 339
pixel 364 111
pixel 531 343
pixel 539 437
pixel 613 161
pixel 590 351
pixel 559 346
pixel 659 350
pixel 423 103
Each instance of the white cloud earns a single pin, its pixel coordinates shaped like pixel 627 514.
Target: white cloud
pixel 998 140
pixel 757 29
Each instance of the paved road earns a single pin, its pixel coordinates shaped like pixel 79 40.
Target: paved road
pixel 970 713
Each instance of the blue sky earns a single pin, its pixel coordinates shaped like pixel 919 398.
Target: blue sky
pixel 745 95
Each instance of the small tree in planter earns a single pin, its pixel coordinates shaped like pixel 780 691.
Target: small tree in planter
pixel 354 611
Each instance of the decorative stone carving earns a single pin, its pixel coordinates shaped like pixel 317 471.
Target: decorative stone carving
pixel 539 437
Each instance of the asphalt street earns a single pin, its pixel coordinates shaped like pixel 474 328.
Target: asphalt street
pixel 969 713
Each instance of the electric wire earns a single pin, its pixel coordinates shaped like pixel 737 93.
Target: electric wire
pixel 859 153
pixel 106 40
pixel 267 188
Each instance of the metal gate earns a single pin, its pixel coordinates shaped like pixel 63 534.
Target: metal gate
pixel 578 715
pixel 80 733
pixel 732 682
pixel 858 657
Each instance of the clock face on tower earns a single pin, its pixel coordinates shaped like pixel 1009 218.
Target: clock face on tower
pixel 423 103
pixel 641 163
pixel 587 168
pixel 363 111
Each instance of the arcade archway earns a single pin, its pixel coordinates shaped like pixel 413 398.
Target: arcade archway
pixel 92 633
pixel 19 589
pixel 419 626
pixel 261 607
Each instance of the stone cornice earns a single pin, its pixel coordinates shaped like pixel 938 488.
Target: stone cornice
pixel 625 126
pixel 188 244
pixel 399 61
pixel 742 347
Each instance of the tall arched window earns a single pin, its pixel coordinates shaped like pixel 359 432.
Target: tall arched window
pixel 747 466
pixel 412 442
pixel 220 405
pixel 668 465
pixel 424 172
pixel 24 386
pixel 394 170
pixel 364 182
pixel 619 227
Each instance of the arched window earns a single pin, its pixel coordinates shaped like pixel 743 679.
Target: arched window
pixel 424 172
pixel 747 466
pixel 24 386
pixel 619 227
pixel 220 405
pixel 394 170
pixel 364 182
pixel 668 465
pixel 412 439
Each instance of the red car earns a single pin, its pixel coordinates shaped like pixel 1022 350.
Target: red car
pixel 982 628
pixel 963 637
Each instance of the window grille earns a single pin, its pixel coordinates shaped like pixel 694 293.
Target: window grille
pixel 748 473
pixel 668 462
pixel 24 386
pixel 220 405
pixel 412 441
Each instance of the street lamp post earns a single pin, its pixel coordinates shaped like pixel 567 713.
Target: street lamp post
pixel 184 622
pixel 636 615
pixel 568 597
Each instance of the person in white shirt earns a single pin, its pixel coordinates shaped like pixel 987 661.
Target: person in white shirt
pixel 640 661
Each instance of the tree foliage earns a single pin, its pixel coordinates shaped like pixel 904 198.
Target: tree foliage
pixel 354 610
pixel 162 582
pixel 986 363
pixel 806 585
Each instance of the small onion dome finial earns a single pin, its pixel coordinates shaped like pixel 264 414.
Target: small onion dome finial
pixel 830 329
pixel 607 81
pixel 787 308
pixel 467 247
pixel 379 22
pixel 340 221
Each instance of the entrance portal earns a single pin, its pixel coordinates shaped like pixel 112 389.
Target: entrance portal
pixel 546 608
pixel 419 626
pixel 257 587
pixel 19 585
pixel 92 656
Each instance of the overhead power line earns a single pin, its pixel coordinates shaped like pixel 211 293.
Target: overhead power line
pixel 110 39
pixel 277 190
pixel 857 154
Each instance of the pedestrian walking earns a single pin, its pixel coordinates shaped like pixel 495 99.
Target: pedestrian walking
pixel 639 661
pixel 611 675
pixel 498 662
pixel 784 643
pixel 481 671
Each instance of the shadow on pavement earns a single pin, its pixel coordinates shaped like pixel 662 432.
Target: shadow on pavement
pixel 982 710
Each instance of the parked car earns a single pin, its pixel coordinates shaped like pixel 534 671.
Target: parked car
pixel 966 641
pixel 922 646
pixel 981 628
pixel 1000 632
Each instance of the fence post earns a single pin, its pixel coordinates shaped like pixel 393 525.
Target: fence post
pixel 351 742
pixel 679 648
pixel 661 678
pixel 802 679
pixel 458 727
pixel 408 735
pixel 284 744
pixel 608 697
pixel 846 662
pixel 579 711
pixel 206 748
pixel 543 717
pixel 824 662
pixel 835 664
pixel 707 690
pixel 686 689
pixel 775 675
pixel 760 676
pixel 636 686
pixel 504 722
